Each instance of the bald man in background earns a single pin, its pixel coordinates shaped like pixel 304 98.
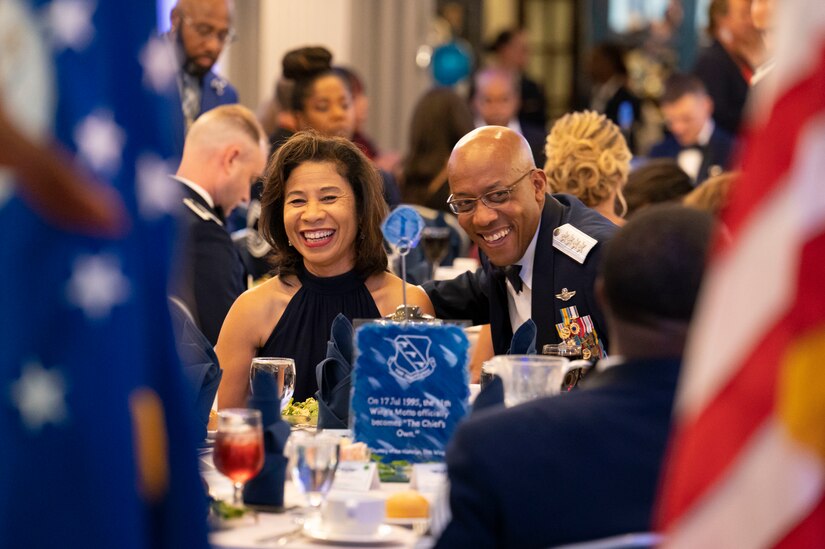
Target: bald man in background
pixel 496 101
pixel 200 29
pixel 225 151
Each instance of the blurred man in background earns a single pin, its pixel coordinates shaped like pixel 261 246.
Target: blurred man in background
pixel 496 101
pixel 726 66
pixel 701 147
pixel 511 51
pixel 200 30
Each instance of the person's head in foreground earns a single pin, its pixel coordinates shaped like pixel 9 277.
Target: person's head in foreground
pixel 497 192
pixel 322 207
pixel 650 276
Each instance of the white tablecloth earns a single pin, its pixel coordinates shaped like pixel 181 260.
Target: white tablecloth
pixel 271 526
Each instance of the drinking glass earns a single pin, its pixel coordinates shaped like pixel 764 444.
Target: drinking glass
pixel 282 369
pixel 239 447
pixel 435 242
pixel 313 460
pixel 570 351
pixel 578 367
pixel 527 377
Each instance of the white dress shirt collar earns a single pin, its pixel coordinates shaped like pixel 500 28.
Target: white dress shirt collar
pixel 520 305
pixel 198 189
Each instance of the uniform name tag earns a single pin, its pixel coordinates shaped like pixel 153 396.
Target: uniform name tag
pixel 572 242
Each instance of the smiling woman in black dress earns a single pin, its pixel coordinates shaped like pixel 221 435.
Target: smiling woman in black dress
pixel 321 212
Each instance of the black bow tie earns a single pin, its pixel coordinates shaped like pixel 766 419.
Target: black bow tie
pixel 512 272
pixel 693 147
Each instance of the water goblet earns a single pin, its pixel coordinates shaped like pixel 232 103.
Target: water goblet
pixel 282 370
pixel 239 447
pixel 435 242
pixel 313 460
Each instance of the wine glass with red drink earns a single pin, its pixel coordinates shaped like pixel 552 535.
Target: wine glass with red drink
pixel 239 447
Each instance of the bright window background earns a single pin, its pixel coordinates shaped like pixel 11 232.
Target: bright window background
pixel 163 9
pixel 629 15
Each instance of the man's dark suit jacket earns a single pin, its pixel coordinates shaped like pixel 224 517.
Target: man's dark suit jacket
pixel 578 466
pixel 536 137
pixel 611 111
pixel 533 102
pixel 215 91
pixel 716 153
pixel 725 83
pixel 481 297
pixel 211 274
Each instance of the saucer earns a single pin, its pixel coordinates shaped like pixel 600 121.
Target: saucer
pixel 418 525
pixel 385 533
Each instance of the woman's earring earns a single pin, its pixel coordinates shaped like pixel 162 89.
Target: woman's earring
pixel 289 242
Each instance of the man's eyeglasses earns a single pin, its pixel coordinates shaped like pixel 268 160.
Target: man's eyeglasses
pixel 206 31
pixel 492 199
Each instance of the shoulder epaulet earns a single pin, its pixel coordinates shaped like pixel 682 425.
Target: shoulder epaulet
pixel 573 242
pixel 201 211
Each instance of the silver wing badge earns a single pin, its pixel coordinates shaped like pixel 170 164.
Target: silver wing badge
pixel 565 294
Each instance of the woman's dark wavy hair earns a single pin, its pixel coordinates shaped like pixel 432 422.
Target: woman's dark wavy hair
pixel 304 66
pixel 353 166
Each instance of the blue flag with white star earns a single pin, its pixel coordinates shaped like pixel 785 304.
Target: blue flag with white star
pixel 97 443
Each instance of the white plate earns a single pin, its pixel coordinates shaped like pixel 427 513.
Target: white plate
pixel 385 534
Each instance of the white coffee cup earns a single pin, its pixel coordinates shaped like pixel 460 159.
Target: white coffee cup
pixel 353 513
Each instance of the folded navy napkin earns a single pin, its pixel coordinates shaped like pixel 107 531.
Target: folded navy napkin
pixel 491 395
pixel 199 361
pixel 523 343
pixel 524 340
pixel 334 375
pixel 267 488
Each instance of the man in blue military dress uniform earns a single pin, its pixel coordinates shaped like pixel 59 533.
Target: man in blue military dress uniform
pixel 585 465
pixel 225 150
pixel 200 30
pixel 539 252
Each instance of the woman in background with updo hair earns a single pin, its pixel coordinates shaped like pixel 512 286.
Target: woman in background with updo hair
pixel 322 101
pixel 588 157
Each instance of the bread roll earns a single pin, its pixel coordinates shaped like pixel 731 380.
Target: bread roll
pixel 407 505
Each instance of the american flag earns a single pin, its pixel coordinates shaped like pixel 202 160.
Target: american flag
pixel 96 442
pixel 746 466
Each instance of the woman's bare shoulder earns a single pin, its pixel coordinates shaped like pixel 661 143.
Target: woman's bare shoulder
pixel 266 300
pixel 388 293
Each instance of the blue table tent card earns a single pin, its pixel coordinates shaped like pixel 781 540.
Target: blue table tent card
pixel 410 390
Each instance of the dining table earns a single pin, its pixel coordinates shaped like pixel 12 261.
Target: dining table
pixel 288 527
